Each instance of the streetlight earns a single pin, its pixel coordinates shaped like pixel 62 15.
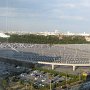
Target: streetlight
pixel 79 76
pixel 31 86
pixel 66 82
pixel 49 77
pixel 50 85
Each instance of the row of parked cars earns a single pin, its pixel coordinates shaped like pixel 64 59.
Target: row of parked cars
pixel 39 78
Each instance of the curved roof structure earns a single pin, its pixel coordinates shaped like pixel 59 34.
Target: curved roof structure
pixel 68 54
pixel 4 35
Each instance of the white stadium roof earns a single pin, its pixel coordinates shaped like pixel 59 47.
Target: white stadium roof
pixel 4 35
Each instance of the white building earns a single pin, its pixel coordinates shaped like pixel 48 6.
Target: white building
pixel 4 35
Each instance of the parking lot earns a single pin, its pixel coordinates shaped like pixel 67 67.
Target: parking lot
pixel 39 78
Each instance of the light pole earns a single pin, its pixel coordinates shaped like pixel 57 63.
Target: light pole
pixel 66 82
pixel 50 85
pixel 31 87
pixel 79 77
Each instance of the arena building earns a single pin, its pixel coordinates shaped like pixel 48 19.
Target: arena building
pixel 66 54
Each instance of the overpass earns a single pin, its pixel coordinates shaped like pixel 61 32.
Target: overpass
pixel 31 63
pixel 61 64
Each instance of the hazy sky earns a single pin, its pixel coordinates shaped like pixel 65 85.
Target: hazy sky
pixel 45 15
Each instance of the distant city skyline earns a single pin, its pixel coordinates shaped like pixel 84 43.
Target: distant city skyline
pixel 45 15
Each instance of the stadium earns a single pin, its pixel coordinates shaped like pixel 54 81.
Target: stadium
pixel 55 55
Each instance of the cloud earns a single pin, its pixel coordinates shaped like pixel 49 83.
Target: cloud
pixel 9 12
pixel 85 3
pixel 72 17
pixel 18 12
pixel 69 5
pixel 76 4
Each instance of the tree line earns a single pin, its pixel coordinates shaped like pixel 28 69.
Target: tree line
pixel 41 39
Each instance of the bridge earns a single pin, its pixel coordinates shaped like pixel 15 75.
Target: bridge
pixel 29 63
pixel 60 64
